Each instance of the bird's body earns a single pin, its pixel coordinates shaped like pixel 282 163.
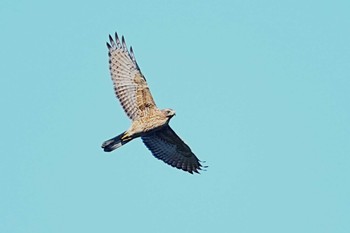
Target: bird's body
pixel 148 122
pixel 154 120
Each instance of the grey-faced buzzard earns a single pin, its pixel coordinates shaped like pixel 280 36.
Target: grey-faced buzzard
pixel 148 122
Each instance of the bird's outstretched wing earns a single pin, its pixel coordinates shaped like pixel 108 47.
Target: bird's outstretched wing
pixel 129 84
pixel 167 146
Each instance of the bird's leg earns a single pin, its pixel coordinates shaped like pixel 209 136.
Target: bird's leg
pixel 126 137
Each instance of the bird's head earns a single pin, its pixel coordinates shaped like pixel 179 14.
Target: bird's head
pixel 168 112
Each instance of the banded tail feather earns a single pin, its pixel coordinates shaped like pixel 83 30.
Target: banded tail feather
pixel 115 143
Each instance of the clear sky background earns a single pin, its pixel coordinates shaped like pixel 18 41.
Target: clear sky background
pixel 261 90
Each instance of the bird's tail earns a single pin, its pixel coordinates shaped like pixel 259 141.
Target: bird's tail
pixel 115 143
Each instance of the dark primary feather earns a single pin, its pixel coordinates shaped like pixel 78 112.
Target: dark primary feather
pixel 111 41
pixel 117 39
pixel 113 45
pixel 124 44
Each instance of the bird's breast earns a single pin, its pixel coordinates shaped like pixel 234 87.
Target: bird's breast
pixel 148 124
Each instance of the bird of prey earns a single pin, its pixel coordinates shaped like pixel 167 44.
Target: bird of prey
pixel 148 122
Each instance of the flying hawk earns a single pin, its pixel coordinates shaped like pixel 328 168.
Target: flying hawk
pixel 148 122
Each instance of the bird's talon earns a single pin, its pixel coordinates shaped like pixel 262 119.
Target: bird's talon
pixel 125 137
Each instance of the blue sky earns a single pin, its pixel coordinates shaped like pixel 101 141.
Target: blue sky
pixel 261 91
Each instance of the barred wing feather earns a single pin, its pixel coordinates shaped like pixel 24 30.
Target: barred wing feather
pixel 129 84
pixel 168 147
